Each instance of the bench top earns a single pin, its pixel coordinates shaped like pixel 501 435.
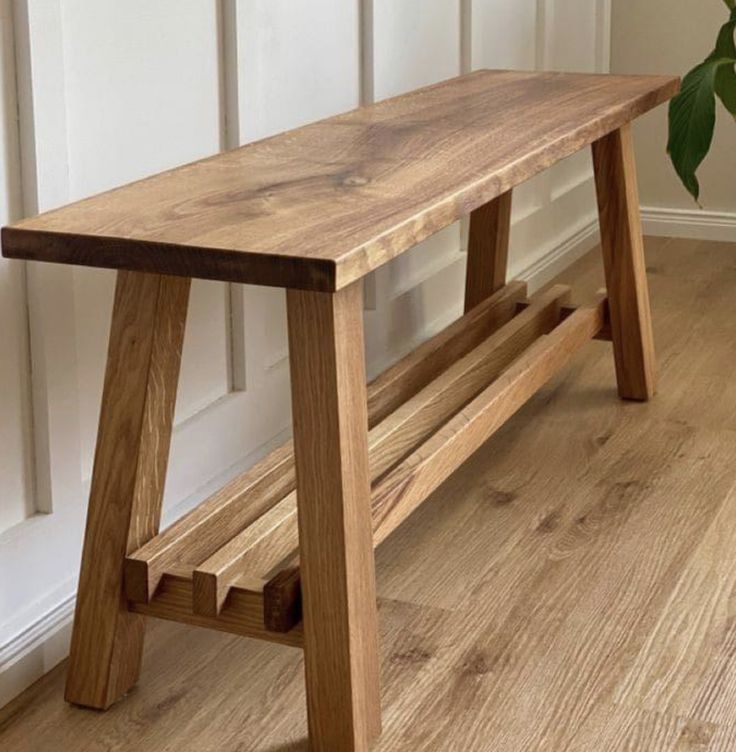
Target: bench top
pixel 321 206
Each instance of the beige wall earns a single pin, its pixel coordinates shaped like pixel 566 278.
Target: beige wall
pixel 671 36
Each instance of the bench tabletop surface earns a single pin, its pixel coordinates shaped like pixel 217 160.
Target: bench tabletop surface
pixel 321 206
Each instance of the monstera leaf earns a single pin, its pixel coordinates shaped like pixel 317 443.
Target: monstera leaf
pixel 693 110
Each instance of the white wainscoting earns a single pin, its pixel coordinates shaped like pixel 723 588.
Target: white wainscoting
pixel 98 94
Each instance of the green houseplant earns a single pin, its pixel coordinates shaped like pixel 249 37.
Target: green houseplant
pixel 692 113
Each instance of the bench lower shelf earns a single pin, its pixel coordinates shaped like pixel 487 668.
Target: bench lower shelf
pixel 232 564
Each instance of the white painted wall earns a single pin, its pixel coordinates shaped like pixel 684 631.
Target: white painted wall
pixel 108 92
pixel 670 37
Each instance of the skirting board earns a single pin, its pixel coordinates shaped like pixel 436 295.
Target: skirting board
pixel 560 256
pixel 45 642
pixel 697 224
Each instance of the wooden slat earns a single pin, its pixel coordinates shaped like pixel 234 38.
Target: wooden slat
pixel 396 496
pixel 405 378
pixel 388 443
pixel 244 499
pixel 488 249
pixel 207 527
pixel 322 206
pixel 424 413
pixel 243 614
pixel 132 452
pixel 213 578
pixel 604 335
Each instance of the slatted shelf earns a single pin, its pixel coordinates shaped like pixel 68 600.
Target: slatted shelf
pixel 233 563
pixel 251 494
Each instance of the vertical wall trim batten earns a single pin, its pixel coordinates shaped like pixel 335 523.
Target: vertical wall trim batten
pixel 227 29
pixel 367 91
pixel 603 36
pixel 545 13
pixel 466 36
pixel 13 156
pixel 17 208
pixel 366 94
pixel 236 338
pixel 49 290
pixel 466 66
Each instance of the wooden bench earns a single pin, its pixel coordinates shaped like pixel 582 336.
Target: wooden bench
pixel 314 211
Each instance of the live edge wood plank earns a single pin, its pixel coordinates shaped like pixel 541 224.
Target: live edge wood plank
pixel 127 481
pixel 388 443
pixel 243 500
pixel 321 206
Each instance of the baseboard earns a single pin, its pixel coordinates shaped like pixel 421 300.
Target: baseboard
pixel 35 650
pixel 45 642
pixel 689 223
pixel 558 258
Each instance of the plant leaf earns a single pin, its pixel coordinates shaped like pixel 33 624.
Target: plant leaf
pixel 692 121
pixel 725 84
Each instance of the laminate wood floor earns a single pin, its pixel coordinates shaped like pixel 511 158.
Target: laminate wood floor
pixel 572 587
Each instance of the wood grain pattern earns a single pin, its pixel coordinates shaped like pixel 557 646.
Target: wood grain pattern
pixel 282 601
pixel 413 372
pixel 210 525
pixel 333 490
pixel 242 501
pixel 273 539
pixel 243 614
pixel 421 416
pixel 138 401
pixel 583 600
pixel 488 249
pixel 623 260
pixel 399 494
pixel 213 578
pixel 321 206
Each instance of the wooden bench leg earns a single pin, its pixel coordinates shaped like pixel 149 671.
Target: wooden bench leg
pixel 335 534
pixel 488 250
pixel 127 481
pixel 623 259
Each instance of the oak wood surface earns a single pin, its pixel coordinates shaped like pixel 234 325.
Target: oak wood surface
pixel 625 268
pixel 433 462
pixel 210 525
pixel 272 542
pixel 582 601
pixel 213 577
pixel 413 372
pixel 321 206
pixel 330 419
pixel 132 451
pixel 242 616
pixel 488 249
pixel 419 418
